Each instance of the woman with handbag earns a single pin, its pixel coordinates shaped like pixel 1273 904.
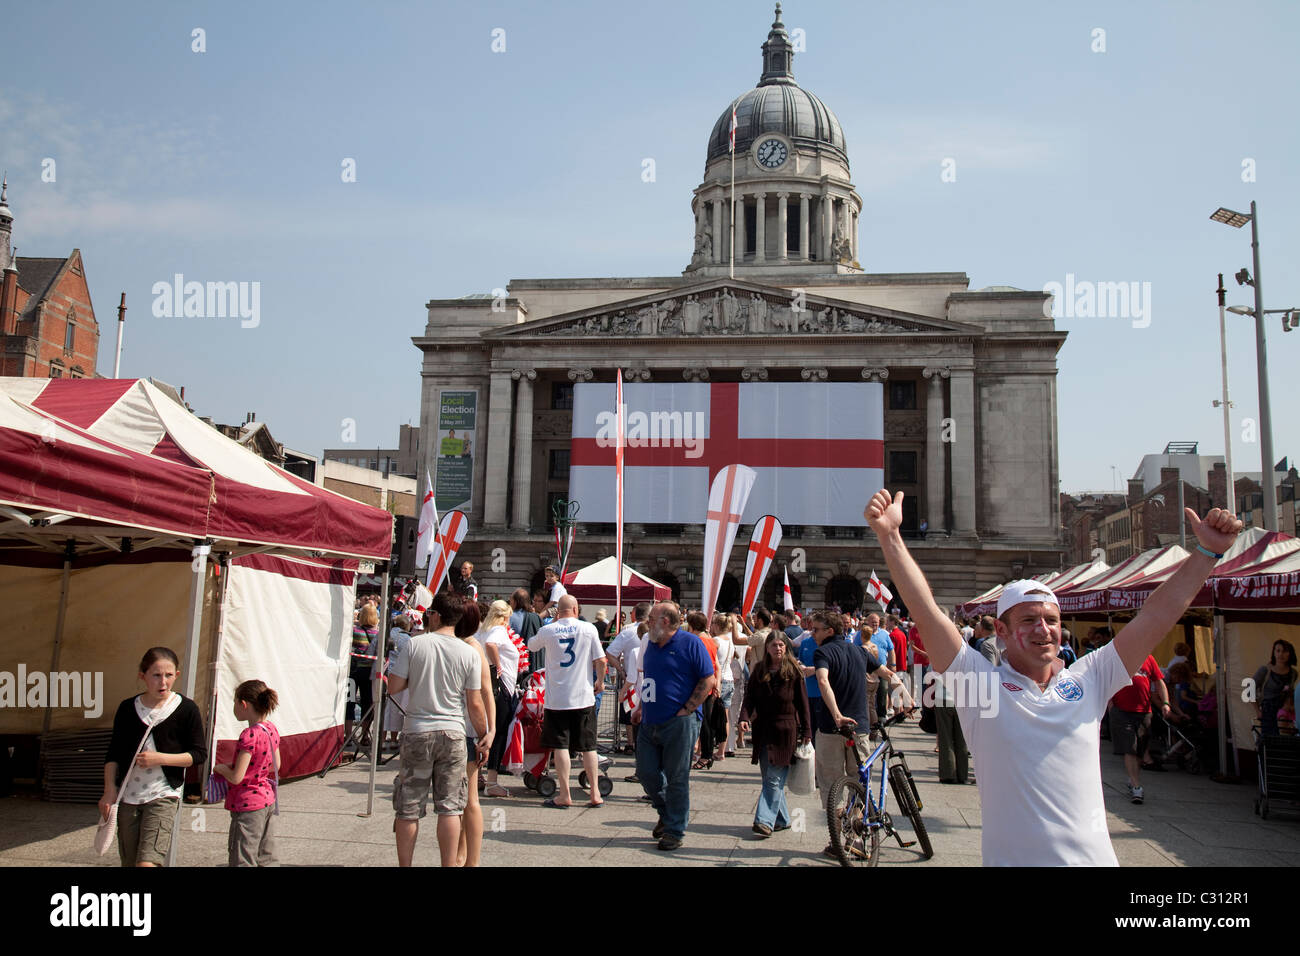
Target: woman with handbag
pixel 156 735
pixel 776 707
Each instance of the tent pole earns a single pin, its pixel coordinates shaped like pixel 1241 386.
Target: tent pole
pixel 199 566
pixel 69 552
pixel 1221 689
pixel 377 732
pixel 214 666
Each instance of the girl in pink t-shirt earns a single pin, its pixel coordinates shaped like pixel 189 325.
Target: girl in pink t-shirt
pixel 254 778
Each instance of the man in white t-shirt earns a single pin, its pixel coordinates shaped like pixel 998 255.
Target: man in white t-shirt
pixel 572 647
pixel 1032 724
pixel 624 655
pixel 443 674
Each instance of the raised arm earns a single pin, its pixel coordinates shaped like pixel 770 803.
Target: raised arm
pixel 942 640
pixel 1163 608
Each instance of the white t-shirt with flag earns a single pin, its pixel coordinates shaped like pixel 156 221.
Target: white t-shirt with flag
pixel 1039 780
pixel 571 647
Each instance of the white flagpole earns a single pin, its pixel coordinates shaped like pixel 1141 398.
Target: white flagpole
pixel 732 271
pixel 618 491
pixel 733 212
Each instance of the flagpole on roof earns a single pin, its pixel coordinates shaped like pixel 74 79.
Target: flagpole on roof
pixel 732 271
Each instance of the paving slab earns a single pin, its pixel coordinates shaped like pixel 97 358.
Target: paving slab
pixel 1185 821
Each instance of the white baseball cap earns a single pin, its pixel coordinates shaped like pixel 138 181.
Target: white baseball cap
pixel 1025 592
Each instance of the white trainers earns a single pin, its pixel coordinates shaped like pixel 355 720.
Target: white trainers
pixel 1135 793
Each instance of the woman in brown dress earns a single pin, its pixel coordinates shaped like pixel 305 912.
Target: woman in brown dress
pixel 776 707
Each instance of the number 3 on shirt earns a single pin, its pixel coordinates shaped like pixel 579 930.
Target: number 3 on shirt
pixel 569 656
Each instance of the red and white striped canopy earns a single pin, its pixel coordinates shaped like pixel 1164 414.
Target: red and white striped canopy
pixel 122 452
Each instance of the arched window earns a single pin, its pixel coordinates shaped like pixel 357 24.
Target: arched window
pixel 72 328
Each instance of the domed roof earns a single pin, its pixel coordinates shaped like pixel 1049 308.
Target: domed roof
pixel 778 105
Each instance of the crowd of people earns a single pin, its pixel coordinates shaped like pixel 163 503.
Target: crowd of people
pixel 694 688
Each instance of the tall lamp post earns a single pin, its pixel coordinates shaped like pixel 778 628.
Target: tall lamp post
pixel 1227 405
pixel 1237 220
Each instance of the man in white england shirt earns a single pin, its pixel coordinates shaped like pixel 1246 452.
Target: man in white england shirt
pixel 1031 723
pixel 569 720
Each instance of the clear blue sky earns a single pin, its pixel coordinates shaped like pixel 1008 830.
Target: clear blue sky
pixel 475 167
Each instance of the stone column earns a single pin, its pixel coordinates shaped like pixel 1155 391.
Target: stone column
pixel 934 448
pixel 719 234
pixel 740 226
pixel 803 226
pixel 853 233
pixel 760 226
pixel 498 452
pixel 961 388
pixel 782 252
pixel 827 227
pixel 523 476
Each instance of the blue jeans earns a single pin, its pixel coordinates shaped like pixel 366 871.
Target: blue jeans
pixel 663 762
pixel 772 810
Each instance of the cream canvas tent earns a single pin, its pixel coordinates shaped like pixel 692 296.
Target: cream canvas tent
pixel 125 522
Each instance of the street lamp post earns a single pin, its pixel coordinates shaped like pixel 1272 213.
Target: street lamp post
pixel 1237 220
pixel 1227 415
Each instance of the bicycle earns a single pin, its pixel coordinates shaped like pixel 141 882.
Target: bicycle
pixel 857 818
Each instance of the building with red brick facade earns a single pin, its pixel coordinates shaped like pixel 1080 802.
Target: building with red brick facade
pixel 47 323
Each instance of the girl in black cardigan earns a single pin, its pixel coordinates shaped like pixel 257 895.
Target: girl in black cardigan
pixel 151 787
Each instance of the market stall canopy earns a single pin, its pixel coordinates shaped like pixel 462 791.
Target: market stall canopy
pixel 95 454
pixel 595 584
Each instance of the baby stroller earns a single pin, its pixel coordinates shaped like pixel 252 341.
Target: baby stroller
pixel 525 751
pixel 1181 745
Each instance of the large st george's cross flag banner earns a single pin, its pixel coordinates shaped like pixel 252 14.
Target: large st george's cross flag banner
pixel 818 448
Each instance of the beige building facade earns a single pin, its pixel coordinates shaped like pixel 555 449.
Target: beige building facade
pixel 968 377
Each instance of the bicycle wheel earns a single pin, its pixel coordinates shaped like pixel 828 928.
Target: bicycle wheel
pixel 906 803
pixel 853 842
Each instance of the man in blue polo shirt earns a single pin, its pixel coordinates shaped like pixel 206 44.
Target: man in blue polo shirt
pixel 677 674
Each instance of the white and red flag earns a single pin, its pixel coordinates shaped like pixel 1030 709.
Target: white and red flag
pixel 763 543
pixel 734 124
pixel 451 532
pixel 785 591
pixel 815 446
pixel 727 500
pixel 878 591
pixel 428 524
pixel 620 437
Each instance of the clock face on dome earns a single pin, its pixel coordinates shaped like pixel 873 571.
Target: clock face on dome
pixel 771 153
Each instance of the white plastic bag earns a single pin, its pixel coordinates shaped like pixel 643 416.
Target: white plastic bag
pixel 803 778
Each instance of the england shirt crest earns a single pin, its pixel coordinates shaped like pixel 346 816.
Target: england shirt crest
pixel 1069 689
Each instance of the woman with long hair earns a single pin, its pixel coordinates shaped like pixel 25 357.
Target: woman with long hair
pixel 503 661
pixel 720 630
pixel 776 709
pixel 471 828
pixel 156 735
pixel 1275 682
pixel 698 624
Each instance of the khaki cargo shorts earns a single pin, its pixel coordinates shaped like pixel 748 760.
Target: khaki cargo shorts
pixel 144 831
pixel 438 758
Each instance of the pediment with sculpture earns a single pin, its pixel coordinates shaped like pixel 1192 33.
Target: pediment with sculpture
pixel 730 309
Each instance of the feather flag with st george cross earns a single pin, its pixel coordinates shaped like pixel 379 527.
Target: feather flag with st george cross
pixel 428 524
pixel 763 543
pixel 451 532
pixel 878 591
pixel 727 500
pixel 788 597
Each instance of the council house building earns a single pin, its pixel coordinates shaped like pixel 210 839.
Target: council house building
pixel 828 379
